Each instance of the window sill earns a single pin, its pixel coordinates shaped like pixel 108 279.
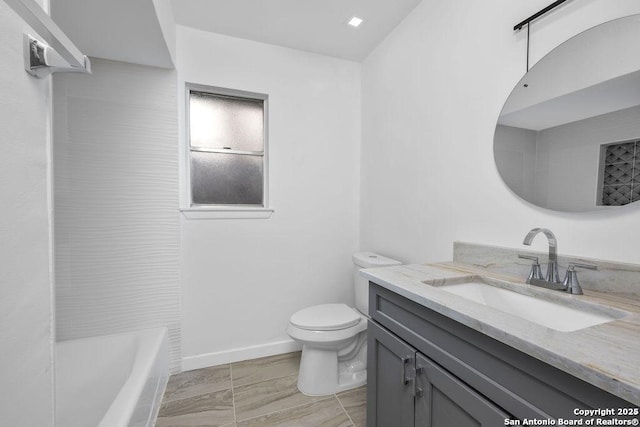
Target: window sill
pixel 226 213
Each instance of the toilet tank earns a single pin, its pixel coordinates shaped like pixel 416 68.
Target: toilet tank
pixel 361 285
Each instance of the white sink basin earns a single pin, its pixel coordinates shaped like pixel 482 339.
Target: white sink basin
pixel 551 314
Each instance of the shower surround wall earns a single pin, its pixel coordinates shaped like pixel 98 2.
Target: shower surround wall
pixel 117 236
pixel 26 309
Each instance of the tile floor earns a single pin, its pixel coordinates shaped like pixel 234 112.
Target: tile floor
pixel 260 392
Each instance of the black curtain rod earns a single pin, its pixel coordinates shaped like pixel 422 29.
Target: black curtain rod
pixel 537 15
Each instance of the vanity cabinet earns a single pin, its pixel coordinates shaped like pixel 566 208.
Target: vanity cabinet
pixel 412 390
pixel 425 369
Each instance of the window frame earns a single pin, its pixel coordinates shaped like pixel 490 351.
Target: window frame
pixel 203 211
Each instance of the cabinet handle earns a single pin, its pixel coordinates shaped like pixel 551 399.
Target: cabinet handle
pixel 405 361
pixel 418 390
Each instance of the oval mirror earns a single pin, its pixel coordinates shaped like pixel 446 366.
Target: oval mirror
pixel 568 136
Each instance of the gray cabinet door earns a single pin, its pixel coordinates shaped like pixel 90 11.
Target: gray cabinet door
pixel 390 376
pixel 442 400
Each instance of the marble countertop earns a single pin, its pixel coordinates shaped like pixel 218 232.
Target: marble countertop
pixel 605 355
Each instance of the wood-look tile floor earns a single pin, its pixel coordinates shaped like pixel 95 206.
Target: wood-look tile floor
pixel 260 392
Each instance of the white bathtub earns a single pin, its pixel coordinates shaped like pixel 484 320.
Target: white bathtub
pixel 111 381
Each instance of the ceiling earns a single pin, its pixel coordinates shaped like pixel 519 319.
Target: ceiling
pixel 143 31
pixel 317 26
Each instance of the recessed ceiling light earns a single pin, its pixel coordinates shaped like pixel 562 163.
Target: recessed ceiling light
pixel 355 22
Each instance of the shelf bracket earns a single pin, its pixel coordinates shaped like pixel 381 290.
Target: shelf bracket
pixel 56 53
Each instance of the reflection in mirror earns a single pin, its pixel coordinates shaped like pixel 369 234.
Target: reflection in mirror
pixel 568 136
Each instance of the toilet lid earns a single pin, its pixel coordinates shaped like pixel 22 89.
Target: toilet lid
pixel 325 317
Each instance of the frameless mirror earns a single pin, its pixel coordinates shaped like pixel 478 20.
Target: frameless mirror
pixel 568 136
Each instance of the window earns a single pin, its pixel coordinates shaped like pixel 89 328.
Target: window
pixel 620 173
pixel 226 138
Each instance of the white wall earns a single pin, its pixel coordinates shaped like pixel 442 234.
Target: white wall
pixel 26 309
pixel 432 92
pixel 116 202
pixel 138 32
pixel 164 13
pixel 242 279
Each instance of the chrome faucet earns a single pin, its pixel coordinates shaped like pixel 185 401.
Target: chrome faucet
pixel 552 268
pixel 570 283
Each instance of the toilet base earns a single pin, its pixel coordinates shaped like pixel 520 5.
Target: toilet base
pixel 351 381
pixel 321 373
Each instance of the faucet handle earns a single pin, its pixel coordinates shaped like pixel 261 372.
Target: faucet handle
pixel 570 281
pixel 536 271
pixel 573 265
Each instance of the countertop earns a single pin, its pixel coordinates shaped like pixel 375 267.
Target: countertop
pixel 605 355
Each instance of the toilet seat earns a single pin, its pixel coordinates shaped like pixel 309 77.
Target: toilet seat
pixel 325 317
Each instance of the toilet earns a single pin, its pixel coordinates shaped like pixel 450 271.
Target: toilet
pixel 334 337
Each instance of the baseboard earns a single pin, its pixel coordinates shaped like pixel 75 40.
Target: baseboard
pixel 190 363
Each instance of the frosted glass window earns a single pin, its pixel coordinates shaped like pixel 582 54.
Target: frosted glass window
pixel 227 179
pixel 219 122
pixel 226 148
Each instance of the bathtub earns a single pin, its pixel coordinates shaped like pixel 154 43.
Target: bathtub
pixel 111 381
